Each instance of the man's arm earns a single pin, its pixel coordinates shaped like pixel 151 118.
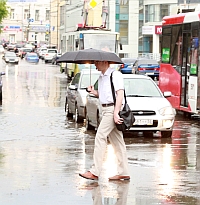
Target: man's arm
pixel 118 105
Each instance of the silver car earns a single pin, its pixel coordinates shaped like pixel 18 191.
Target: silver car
pixel 152 111
pixel 76 93
pixel 10 57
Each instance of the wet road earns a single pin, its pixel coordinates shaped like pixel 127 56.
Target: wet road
pixel 42 152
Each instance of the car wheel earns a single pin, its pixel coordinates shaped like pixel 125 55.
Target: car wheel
pixel 166 134
pixel 87 124
pixel 45 61
pixel 148 134
pixel 0 97
pixel 77 117
pixel 68 114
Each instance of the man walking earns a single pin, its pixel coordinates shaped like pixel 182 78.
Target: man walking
pixel 107 125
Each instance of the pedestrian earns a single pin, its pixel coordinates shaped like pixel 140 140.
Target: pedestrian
pixel 107 127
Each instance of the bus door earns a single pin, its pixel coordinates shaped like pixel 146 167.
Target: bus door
pixel 185 67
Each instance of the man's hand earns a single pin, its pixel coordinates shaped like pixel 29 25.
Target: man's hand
pixel 90 89
pixel 117 118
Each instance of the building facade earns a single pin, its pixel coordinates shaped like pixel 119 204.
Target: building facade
pixel 139 22
pixel 27 22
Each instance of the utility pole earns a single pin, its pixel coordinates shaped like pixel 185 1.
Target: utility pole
pixel 28 27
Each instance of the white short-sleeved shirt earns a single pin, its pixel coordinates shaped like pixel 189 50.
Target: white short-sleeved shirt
pixel 104 86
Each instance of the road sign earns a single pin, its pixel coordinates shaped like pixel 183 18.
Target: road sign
pixel 30 20
pixel 93 3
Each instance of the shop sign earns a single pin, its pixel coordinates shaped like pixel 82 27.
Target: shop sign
pixel 158 30
pixel 38 28
pixel 12 28
pixel 147 30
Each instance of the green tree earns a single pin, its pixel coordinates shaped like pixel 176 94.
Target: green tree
pixel 3 10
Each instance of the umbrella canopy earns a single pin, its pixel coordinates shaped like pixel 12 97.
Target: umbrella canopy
pixel 89 56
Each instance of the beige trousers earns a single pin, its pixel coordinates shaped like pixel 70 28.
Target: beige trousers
pixel 107 128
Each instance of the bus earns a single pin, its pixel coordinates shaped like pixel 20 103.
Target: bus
pixel 88 37
pixel 179 67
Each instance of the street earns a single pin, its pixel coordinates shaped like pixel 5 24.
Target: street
pixel 42 152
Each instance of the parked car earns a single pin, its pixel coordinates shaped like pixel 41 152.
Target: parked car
pixel 55 58
pixel 32 57
pixel 10 57
pixel 148 67
pixel 127 66
pixel 48 56
pixel 23 51
pixel 152 111
pixel 1 85
pixel 76 93
pixel 42 52
pixel 11 47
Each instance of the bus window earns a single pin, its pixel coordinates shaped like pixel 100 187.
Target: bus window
pixel 176 45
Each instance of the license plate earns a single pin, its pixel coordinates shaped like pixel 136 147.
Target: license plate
pixel 150 73
pixel 143 122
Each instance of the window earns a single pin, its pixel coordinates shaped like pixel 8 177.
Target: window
pixel 164 11
pixel 47 14
pixel 26 14
pixel 36 15
pixel 12 14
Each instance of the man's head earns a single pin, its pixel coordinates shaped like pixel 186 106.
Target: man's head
pixel 102 65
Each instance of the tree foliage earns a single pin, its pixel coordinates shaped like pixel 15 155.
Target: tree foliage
pixel 3 10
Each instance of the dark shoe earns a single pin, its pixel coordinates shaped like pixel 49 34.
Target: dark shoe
pixel 118 177
pixel 89 175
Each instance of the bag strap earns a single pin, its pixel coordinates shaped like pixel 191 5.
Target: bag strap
pixel 113 90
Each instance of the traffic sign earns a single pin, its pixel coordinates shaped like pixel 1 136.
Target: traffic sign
pixel 93 3
pixel 30 20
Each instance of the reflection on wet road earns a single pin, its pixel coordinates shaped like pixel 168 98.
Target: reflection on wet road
pixel 42 152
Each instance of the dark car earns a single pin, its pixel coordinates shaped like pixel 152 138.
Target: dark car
pixel 24 51
pixel 127 67
pixel 148 67
pixel 32 57
pixel 1 84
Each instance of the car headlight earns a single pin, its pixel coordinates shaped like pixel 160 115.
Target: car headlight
pixel 7 59
pixel 167 111
pixel 16 59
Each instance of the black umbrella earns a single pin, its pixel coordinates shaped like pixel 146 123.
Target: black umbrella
pixel 89 56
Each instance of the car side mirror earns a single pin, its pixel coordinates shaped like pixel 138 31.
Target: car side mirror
pixel 73 87
pixel 167 94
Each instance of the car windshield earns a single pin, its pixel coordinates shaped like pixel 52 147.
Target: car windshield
pixel 27 50
pixel 86 78
pixel 141 88
pixel 31 54
pixel 52 51
pixel 10 54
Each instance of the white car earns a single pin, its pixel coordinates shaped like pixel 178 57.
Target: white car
pixel 42 52
pixel 152 111
pixel 48 56
pixel 76 93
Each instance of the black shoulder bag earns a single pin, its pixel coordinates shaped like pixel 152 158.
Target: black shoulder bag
pixel 125 113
